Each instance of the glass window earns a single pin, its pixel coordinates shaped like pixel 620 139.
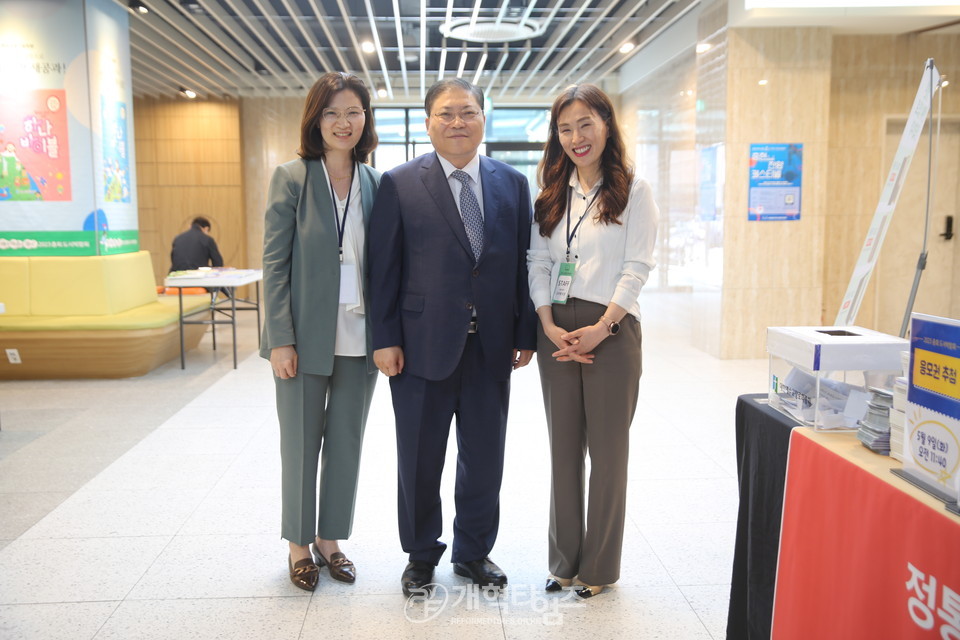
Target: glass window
pixel 403 132
pixel 518 125
pixel 389 155
pixel 418 126
pixel 391 124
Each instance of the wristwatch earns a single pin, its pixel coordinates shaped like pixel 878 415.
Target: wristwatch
pixel 612 327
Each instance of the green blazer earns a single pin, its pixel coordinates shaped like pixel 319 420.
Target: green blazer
pixel 301 265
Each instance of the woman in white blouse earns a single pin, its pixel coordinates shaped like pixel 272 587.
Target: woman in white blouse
pixel 316 334
pixel 591 252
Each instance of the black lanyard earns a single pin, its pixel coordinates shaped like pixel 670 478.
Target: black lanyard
pixel 341 226
pixel 571 234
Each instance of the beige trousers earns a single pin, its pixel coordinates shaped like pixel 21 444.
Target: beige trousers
pixel 589 409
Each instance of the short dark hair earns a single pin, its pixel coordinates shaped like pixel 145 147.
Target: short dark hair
pixel 201 222
pixel 319 96
pixel 451 83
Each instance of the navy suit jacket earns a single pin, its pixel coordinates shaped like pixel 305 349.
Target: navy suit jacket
pixel 424 285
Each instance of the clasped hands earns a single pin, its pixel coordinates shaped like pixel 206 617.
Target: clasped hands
pixel 577 345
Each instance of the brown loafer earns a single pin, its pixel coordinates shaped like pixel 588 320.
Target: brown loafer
pixel 304 574
pixel 340 568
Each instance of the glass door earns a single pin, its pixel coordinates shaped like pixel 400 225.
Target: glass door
pixel 522 156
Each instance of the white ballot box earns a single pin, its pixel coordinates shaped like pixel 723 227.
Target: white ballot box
pixel 821 376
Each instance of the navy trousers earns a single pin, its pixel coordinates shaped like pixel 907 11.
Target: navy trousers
pixel 423 410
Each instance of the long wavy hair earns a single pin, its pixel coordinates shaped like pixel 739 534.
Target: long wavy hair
pixel 319 96
pixel 553 172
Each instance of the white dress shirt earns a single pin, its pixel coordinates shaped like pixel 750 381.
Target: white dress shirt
pixel 351 326
pixel 613 260
pixel 473 170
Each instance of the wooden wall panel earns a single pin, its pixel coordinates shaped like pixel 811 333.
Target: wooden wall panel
pixel 271 136
pixel 189 164
pixel 875 78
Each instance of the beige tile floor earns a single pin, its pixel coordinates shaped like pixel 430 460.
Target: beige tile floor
pixel 149 508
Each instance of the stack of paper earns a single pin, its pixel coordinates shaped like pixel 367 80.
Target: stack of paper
pixel 898 418
pixel 874 431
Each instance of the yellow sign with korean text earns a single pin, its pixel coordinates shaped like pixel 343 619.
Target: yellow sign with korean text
pixel 936 372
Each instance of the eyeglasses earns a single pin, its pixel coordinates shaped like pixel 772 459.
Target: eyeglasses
pixel 334 115
pixel 448 117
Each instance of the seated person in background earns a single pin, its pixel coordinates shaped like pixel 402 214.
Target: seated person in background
pixel 195 248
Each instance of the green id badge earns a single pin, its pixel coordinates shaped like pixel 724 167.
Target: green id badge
pixel 562 290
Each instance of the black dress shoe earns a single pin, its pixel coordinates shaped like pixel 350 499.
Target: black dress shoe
pixel 416 578
pixel 555 584
pixel 585 591
pixel 483 572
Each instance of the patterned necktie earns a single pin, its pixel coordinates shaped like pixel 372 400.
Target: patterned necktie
pixel 470 212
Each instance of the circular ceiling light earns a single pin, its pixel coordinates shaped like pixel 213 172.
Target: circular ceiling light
pixel 485 30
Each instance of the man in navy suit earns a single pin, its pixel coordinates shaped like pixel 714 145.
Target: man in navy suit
pixel 451 317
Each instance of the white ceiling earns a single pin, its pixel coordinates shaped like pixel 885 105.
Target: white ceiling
pixel 260 48
pixel 279 47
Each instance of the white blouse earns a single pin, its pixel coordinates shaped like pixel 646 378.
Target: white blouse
pixel 613 260
pixel 351 326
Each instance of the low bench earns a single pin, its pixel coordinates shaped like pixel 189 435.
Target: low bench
pixel 88 317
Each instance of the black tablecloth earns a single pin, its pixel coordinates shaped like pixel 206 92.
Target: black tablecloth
pixel 763 439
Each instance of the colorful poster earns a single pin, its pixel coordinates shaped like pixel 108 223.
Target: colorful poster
pixel 34 146
pixel 67 157
pixel 776 171
pixel 116 161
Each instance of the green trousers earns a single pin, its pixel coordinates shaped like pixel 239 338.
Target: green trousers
pixel 322 419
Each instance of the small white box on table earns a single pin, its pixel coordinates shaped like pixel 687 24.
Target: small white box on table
pixel 821 375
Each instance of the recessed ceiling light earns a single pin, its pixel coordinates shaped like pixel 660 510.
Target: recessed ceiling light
pixel 703 47
pixel 367 46
pixel 187 93
pixel 762 83
pixel 627 47
pixel 492 29
pixel 944 83
pixel 138 7
pixel 381 93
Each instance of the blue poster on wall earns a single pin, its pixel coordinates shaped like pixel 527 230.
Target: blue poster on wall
pixel 116 165
pixel 775 179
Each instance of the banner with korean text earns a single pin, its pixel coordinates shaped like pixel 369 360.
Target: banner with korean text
pixel 67 169
pixel 931 439
pixel 776 179
pixel 860 557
